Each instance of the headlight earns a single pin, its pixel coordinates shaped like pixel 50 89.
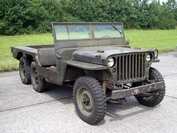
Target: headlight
pixel 156 52
pixel 148 57
pixel 110 62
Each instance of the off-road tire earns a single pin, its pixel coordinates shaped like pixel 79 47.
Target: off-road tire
pixel 24 70
pixel 154 100
pixel 89 100
pixel 38 81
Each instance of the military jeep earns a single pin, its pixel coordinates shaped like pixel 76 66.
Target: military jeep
pixel 96 60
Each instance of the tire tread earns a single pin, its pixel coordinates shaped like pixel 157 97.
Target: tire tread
pixel 156 99
pixel 99 97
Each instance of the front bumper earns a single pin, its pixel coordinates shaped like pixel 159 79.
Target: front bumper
pixel 117 94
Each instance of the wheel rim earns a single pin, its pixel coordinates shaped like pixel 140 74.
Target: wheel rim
pixel 85 101
pixel 22 70
pixel 34 76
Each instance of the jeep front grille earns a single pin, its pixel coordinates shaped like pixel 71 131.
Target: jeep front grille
pixel 131 66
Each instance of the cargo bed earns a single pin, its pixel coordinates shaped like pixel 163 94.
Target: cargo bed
pixel 43 54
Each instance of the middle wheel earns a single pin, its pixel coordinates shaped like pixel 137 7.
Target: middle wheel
pixel 38 81
pixel 89 100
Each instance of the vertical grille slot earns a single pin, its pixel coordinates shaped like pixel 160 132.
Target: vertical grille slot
pixel 131 66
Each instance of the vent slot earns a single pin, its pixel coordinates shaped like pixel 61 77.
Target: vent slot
pixel 131 66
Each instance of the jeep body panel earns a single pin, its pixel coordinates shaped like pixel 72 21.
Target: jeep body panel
pixel 85 65
pixel 19 51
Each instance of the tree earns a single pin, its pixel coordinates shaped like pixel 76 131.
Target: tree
pixel 35 16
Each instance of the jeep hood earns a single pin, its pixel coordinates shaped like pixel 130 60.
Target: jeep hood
pixel 97 55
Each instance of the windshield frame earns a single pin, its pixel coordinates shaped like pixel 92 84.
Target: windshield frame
pixel 92 41
pixel 92 29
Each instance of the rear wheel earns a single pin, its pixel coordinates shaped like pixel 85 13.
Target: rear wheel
pixel 156 96
pixel 24 70
pixel 89 100
pixel 38 81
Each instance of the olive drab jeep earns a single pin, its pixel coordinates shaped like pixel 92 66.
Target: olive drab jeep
pixel 97 61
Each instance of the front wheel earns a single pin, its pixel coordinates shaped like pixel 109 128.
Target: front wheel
pixel 155 96
pixel 38 81
pixel 89 100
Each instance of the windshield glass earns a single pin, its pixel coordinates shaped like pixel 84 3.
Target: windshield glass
pixel 107 31
pixel 88 31
pixel 72 32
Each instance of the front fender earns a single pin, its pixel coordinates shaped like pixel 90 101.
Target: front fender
pixel 85 65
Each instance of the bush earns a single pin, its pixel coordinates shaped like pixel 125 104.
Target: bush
pixel 35 16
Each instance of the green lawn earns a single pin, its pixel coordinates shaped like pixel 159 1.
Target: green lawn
pixel 7 62
pixel 163 40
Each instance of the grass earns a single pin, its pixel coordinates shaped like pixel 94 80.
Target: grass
pixel 7 62
pixel 163 40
